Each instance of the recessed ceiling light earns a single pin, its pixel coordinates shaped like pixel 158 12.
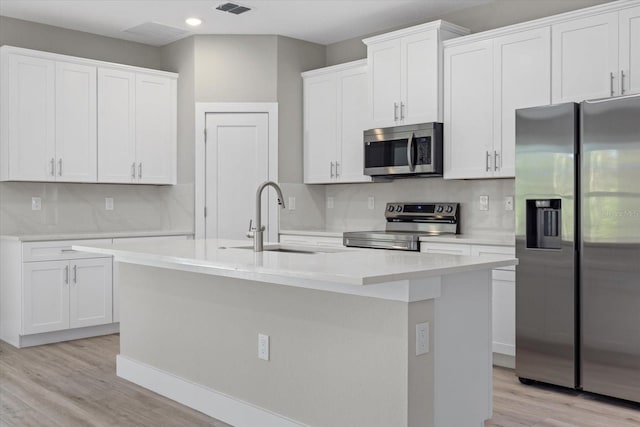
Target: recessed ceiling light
pixel 194 22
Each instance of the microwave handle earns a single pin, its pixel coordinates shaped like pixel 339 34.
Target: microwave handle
pixel 410 152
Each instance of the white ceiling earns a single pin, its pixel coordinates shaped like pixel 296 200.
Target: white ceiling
pixel 319 21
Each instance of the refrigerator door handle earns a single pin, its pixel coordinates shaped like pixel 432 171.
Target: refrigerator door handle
pixel 617 98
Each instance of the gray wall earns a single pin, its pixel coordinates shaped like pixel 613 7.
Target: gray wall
pixel 498 13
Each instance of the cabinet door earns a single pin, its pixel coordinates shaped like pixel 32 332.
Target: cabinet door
pixel 504 312
pixel 156 144
pixel 630 50
pixel 320 129
pixel 352 118
pixel 522 78
pixel 31 111
pixel 420 62
pixel 76 141
pixel 384 83
pixel 91 292
pixel 116 133
pixel 468 119
pixel 45 296
pixel 585 58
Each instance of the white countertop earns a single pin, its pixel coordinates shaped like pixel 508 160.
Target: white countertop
pixel 495 239
pixel 94 235
pixel 348 266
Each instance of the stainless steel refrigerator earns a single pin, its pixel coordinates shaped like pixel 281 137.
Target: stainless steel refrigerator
pixel 578 243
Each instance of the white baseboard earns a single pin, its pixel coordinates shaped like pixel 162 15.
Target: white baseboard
pixel 203 399
pixel 68 335
pixel 504 360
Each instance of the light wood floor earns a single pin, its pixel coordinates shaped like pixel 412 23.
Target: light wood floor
pixel 74 384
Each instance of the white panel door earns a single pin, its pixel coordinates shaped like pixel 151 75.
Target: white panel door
pixel 585 58
pixel 31 119
pixel 353 110
pixel 384 83
pixel 320 129
pixel 156 143
pixel 630 50
pixel 90 292
pixel 419 78
pixel 45 296
pixel 468 118
pixel 522 78
pixel 76 141
pixel 116 133
pixel 237 161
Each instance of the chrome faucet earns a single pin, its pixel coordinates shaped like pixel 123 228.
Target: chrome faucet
pixel 258 232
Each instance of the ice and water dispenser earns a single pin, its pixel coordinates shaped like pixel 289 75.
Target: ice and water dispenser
pixel 544 222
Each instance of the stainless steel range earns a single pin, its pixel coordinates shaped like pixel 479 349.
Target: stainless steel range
pixel 406 223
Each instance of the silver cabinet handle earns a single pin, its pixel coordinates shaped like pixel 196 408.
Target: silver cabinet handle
pixel 496 157
pixel 66 274
pixel 53 166
pixel 395 111
pixel 331 168
pixel 486 161
pixel 133 170
pixel 140 170
pixel 622 76
pixel 611 82
pixel 75 274
pixel 410 152
pixel 60 166
pixel 337 170
pixel 401 110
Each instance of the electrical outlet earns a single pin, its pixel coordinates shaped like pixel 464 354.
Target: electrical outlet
pixel 263 347
pixel 292 203
pixel 329 202
pixel 108 203
pixel 422 338
pixel 371 202
pixel 484 203
pixel 508 203
pixel 36 203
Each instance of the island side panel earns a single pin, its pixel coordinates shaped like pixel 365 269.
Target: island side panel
pixel 338 360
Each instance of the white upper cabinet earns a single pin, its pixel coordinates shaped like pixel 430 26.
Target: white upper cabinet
pixel 156 143
pixel 76 146
pixel 405 74
pixel 585 58
pixel 116 135
pixel 28 118
pixel 137 136
pixel 630 50
pixel 68 119
pixel 468 118
pixel 522 78
pixel 597 56
pixel 485 82
pixel 335 114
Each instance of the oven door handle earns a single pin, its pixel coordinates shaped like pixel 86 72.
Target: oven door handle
pixel 410 152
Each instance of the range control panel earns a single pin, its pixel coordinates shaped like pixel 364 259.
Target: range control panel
pixel 421 211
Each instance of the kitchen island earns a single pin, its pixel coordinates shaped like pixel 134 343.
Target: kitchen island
pixel 356 337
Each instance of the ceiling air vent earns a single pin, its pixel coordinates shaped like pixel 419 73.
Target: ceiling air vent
pixel 236 9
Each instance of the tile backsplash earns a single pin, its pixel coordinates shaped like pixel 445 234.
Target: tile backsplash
pixel 77 208
pixel 351 211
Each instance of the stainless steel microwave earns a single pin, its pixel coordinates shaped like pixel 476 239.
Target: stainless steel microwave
pixel 411 150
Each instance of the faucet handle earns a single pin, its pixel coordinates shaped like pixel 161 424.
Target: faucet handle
pixel 251 231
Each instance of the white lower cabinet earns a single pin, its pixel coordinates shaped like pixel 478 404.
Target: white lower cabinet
pixel 503 295
pixel 90 292
pixel 310 240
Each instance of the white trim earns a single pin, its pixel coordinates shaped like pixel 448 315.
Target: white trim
pixel 434 25
pixel 84 61
pixel 206 400
pixel 335 68
pixel 543 22
pixel 67 335
pixel 502 348
pixel 202 108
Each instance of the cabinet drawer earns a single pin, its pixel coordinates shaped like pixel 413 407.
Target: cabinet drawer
pixel 495 250
pixel 445 248
pixel 312 240
pixel 504 275
pixel 148 239
pixel 58 250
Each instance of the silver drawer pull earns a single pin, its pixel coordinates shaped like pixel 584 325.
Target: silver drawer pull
pixel 75 274
pixel 68 250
